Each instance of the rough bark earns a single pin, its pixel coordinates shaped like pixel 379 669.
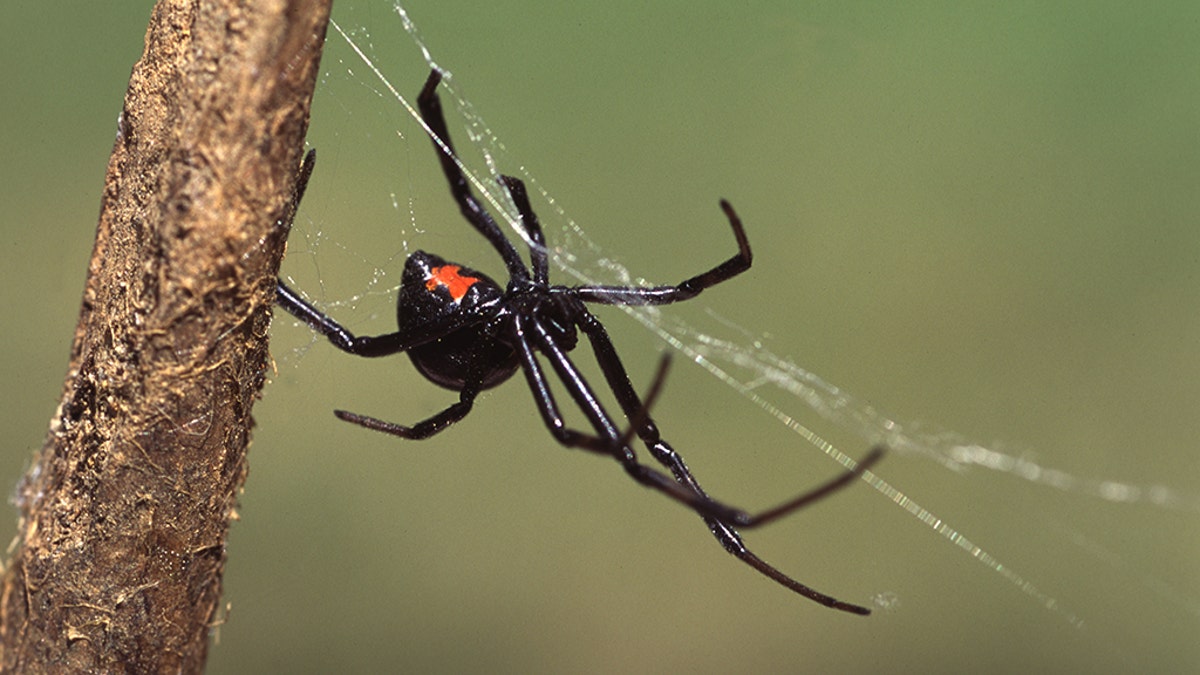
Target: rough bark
pixel 124 513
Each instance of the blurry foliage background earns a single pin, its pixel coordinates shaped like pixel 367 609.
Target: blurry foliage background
pixel 981 220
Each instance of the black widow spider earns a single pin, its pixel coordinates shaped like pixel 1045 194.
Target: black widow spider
pixel 465 333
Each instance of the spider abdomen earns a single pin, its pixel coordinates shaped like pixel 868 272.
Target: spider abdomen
pixel 447 361
pixel 444 298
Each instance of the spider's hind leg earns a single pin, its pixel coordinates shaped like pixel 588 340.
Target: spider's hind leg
pixel 720 518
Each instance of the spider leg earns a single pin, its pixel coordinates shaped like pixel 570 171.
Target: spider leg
pixel 608 440
pixel 537 245
pixel 421 430
pixel 722 527
pixel 306 169
pixel 431 111
pixel 340 337
pixel 686 289
pixel 535 377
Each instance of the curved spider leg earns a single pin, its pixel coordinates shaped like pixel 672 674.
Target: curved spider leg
pixel 423 429
pixel 607 440
pixel 684 290
pixel 732 542
pixel 722 527
pixel 431 111
pixel 340 337
pixel 533 228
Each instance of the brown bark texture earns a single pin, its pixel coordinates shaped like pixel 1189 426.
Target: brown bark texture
pixel 125 510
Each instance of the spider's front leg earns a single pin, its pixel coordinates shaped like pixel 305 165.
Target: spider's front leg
pixel 431 111
pixel 684 290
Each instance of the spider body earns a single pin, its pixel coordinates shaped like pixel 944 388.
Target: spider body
pixel 465 332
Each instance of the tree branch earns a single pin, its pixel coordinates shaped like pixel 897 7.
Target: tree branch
pixel 124 513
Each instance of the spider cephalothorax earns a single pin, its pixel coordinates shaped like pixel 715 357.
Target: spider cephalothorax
pixel 465 332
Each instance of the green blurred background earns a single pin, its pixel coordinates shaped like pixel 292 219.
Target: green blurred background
pixel 982 220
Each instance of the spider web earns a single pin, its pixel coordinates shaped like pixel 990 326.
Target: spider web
pixel 737 356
